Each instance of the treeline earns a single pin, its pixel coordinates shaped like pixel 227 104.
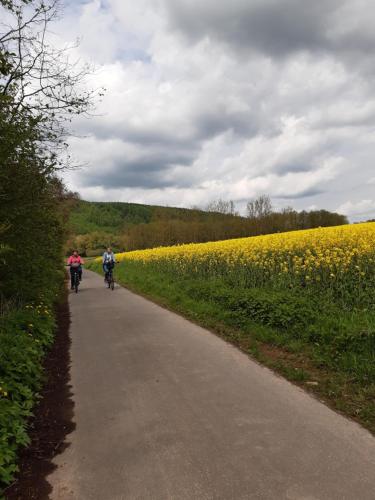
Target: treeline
pixel 220 220
pixel 38 95
pixel 163 232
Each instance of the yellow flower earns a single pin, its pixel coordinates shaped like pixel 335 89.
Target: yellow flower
pixel 324 256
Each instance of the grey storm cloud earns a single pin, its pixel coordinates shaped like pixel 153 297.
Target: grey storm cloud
pixel 276 28
pixel 205 124
pixel 217 121
pixel 283 169
pixel 307 193
pixel 160 152
pixel 148 171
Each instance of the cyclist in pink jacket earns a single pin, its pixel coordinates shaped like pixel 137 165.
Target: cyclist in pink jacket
pixel 75 263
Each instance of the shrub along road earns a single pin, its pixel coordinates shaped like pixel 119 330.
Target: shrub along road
pixel 165 409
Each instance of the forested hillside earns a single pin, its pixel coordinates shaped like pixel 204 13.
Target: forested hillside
pixel 112 216
pixel 130 226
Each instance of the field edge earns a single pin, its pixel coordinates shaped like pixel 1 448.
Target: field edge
pixel 334 389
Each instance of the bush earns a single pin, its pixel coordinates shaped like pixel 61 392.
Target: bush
pixel 286 311
pixel 25 336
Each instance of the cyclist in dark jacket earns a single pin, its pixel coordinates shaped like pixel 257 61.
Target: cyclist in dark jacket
pixel 109 261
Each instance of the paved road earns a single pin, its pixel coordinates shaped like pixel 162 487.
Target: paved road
pixel 166 410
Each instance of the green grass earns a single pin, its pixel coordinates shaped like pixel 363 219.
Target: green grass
pixel 307 338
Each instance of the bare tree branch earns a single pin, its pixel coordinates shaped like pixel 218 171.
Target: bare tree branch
pixel 37 79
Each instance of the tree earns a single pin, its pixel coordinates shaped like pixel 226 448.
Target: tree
pixel 39 81
pixel 260 207
pixel 39 93
pixel 222 207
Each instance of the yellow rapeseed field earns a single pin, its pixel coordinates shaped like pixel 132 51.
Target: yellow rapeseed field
pixel 340 258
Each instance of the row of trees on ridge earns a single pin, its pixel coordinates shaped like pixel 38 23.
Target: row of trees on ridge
pixel 220 220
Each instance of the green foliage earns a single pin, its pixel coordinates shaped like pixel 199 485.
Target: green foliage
pixel 131 226
pixel 87 217
pixel 32 233
pixel 291 312
pixel 25 335
pixel 30 216
pixel 93 244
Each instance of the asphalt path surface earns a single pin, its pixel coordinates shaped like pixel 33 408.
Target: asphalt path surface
pixel 166 410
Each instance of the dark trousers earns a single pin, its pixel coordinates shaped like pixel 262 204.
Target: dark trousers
pixel 74 270
pixel 108 266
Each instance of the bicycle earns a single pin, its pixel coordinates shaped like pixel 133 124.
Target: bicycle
pixel 75 281
pixel 109 279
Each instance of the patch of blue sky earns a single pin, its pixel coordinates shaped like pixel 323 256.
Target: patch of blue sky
pixel 133 54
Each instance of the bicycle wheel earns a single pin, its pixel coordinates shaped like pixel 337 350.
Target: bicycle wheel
pixel 76 283
pixel 112 284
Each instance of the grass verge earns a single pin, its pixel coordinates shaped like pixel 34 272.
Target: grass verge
pixel 312 342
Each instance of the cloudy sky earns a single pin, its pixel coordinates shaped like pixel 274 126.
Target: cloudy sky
pixel 230 99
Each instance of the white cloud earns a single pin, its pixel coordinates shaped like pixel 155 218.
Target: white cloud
pixel 193 112
pixel 360 208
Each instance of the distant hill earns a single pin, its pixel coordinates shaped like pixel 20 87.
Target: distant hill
pixel 129 226
pixel 87 217
pixel 112 217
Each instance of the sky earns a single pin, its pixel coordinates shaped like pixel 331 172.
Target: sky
pixel 230 99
